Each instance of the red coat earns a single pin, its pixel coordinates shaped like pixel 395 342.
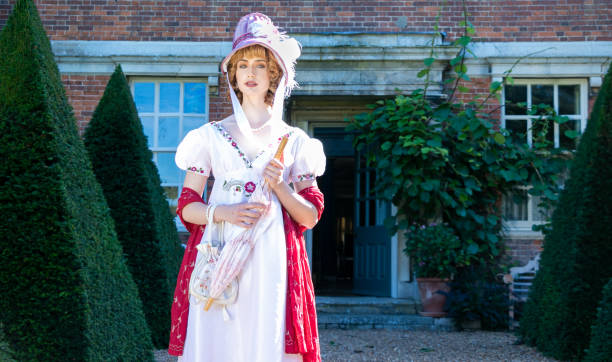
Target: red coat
pixel 301 334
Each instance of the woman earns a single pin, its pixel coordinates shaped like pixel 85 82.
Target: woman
pixel 273 318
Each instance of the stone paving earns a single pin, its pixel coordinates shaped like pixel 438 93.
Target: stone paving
pixel 401 345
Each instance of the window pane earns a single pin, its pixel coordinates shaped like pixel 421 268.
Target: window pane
pixel 148 125
pixel 169 97
pixel 539 214
pixel 190 123
pixel 168 171
pixel 168 132
pixel 515 94
pixel 518 129
pixel 541 94
pixel 569 99
pixel 195 98
pixel 144 96
pixel 515 206
pixel 564 141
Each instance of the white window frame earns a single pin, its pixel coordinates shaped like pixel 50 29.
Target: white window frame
pixel 523 228
pixel 156 114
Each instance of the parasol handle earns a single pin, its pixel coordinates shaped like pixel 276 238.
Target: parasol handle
pixel 281 147
pixel 209 302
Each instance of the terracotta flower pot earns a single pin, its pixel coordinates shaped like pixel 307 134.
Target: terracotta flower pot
pixel 433 302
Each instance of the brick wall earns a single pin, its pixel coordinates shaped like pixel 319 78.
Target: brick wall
pixel 84 93
pixel 479 91
pixel 220 106
pixel 521 251
pixel 199 20
pixel 205 20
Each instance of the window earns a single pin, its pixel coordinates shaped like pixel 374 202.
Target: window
pixel 168 109
pixel 567 97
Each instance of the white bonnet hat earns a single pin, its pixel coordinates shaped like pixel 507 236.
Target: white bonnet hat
pixel 257 28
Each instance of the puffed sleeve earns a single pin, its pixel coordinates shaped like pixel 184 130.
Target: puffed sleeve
pixel 309 159
pixel 192 153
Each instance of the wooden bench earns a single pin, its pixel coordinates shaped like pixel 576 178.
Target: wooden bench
pixel 519 281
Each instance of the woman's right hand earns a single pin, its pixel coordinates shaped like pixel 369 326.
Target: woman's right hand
pixel 245 214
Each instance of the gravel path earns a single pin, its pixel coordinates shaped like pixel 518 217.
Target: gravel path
pixel 394 345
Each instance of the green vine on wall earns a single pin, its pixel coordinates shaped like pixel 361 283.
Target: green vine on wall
pixel 449 160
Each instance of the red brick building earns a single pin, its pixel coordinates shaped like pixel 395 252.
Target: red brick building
pixel 354 52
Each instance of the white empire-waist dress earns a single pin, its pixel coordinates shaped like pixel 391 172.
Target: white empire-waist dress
pixel 255 330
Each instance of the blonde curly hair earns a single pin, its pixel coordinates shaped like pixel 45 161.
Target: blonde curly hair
pixel 274 70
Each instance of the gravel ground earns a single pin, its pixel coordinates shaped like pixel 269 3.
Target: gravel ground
pixel 395 345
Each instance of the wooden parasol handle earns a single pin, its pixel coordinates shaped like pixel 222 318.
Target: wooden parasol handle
pixel 209 302
pixel 281 147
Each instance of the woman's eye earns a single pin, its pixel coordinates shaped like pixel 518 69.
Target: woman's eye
pixel 261 66
pixel 242 66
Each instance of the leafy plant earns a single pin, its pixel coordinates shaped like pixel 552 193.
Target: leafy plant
pixel 448 161
pixel 435 250
pixel 475 295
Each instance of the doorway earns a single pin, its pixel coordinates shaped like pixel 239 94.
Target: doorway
pixel 350 254
pixel 332 252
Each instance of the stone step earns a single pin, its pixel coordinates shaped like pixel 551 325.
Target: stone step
pixel 365 305
pixel 413 322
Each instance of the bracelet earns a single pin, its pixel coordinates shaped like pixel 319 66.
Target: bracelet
pixel 210 213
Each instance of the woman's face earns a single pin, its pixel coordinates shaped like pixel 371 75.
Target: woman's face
pixel 252 77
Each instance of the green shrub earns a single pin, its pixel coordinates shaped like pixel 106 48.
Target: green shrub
pixel 600 348
pixel 476 295
pixel 66 291
pixel 123 165
pixel 5 350
pixel 446 161
pixel 575 263
pixel 435 251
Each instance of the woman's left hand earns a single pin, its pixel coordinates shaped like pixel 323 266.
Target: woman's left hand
pixel 273 173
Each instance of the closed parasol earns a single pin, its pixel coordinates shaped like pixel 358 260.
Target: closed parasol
pixel 236 251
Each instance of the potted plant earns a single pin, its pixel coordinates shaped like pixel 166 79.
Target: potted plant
pixel 435 252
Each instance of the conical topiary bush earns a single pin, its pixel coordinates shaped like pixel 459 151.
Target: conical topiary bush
pixel 67 294
pixel 600 348
pixel 124 167
pixel 575 263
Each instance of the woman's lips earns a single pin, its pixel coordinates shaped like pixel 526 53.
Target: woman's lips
pixel 251 84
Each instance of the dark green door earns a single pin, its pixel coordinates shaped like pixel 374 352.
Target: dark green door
pixel 332 238
pixel 372 247
pixel 351 247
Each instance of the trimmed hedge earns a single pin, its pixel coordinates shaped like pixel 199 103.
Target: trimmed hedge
pixel 123 165
pixel 67 294
pixel 575 263
pixel 5 350
pixel 601 332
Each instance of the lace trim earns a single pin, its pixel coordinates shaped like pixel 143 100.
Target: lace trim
pixel 228 137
